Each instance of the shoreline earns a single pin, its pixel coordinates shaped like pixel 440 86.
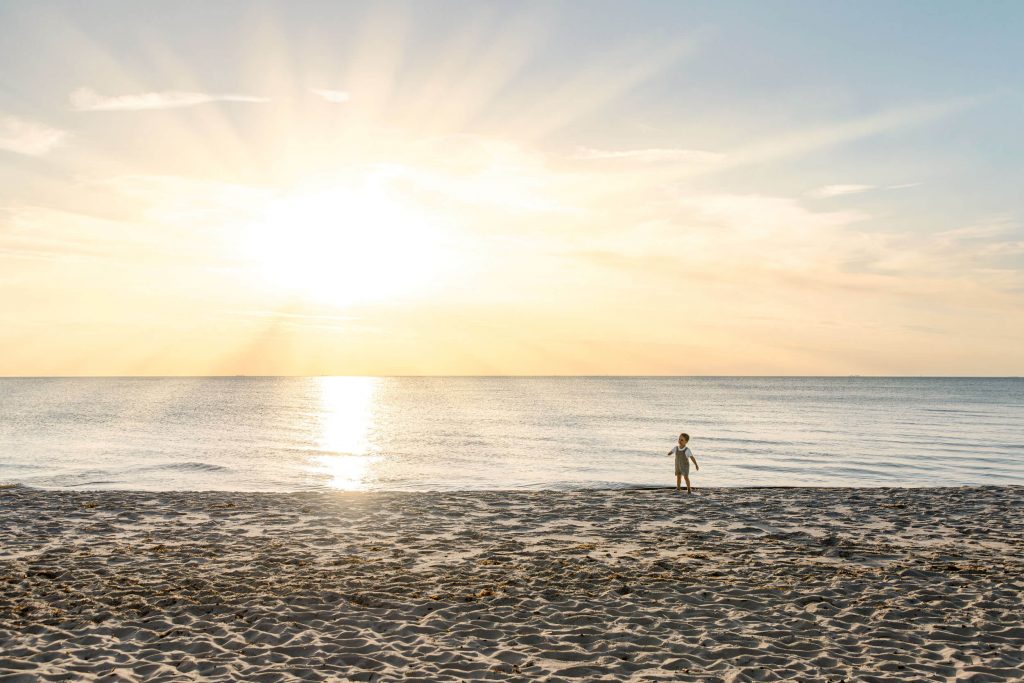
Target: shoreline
pixel 327 491
pixel 730 584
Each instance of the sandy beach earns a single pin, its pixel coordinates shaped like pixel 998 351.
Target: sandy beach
pixel 724 585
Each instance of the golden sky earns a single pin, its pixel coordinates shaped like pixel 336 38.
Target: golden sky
pixel 510 188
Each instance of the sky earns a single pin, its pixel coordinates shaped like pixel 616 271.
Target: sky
pixel 522 188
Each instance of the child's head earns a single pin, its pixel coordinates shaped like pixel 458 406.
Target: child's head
pixel 683 439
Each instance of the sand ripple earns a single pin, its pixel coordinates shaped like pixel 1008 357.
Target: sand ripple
pixel 726 585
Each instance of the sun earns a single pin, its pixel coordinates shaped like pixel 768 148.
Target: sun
pixel 344 245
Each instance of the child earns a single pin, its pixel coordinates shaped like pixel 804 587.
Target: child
pixel 683 457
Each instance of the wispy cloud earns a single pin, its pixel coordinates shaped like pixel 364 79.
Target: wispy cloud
pixel 334 96
pixel 779 243
pixel 839 190
pixel 814 139
pixel 1001 240
pixel 37 233
pixel 86 99
pixel 28 137
pixel 783 145
pixel 653 155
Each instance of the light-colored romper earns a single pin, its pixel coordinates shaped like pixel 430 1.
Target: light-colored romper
pixel 682 460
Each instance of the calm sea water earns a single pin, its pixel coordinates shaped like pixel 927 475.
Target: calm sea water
pixel 288 434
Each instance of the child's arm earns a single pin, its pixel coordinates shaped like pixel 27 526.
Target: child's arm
pixel 694 462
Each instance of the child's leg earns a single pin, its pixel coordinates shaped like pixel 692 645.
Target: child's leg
pixel 687 478
pixel 678 481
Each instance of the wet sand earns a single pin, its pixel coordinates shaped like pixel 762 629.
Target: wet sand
pixel 725 585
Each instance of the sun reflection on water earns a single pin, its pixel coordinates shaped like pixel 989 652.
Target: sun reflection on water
pixel 347 412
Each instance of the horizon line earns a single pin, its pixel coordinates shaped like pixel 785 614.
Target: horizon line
pixel 524 376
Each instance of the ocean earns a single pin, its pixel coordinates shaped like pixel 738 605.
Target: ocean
pixel 464 433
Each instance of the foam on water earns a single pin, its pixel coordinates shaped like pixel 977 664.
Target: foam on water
pixel 286 434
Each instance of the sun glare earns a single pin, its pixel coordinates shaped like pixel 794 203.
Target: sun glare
pixel 340 246
pixel 346 415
